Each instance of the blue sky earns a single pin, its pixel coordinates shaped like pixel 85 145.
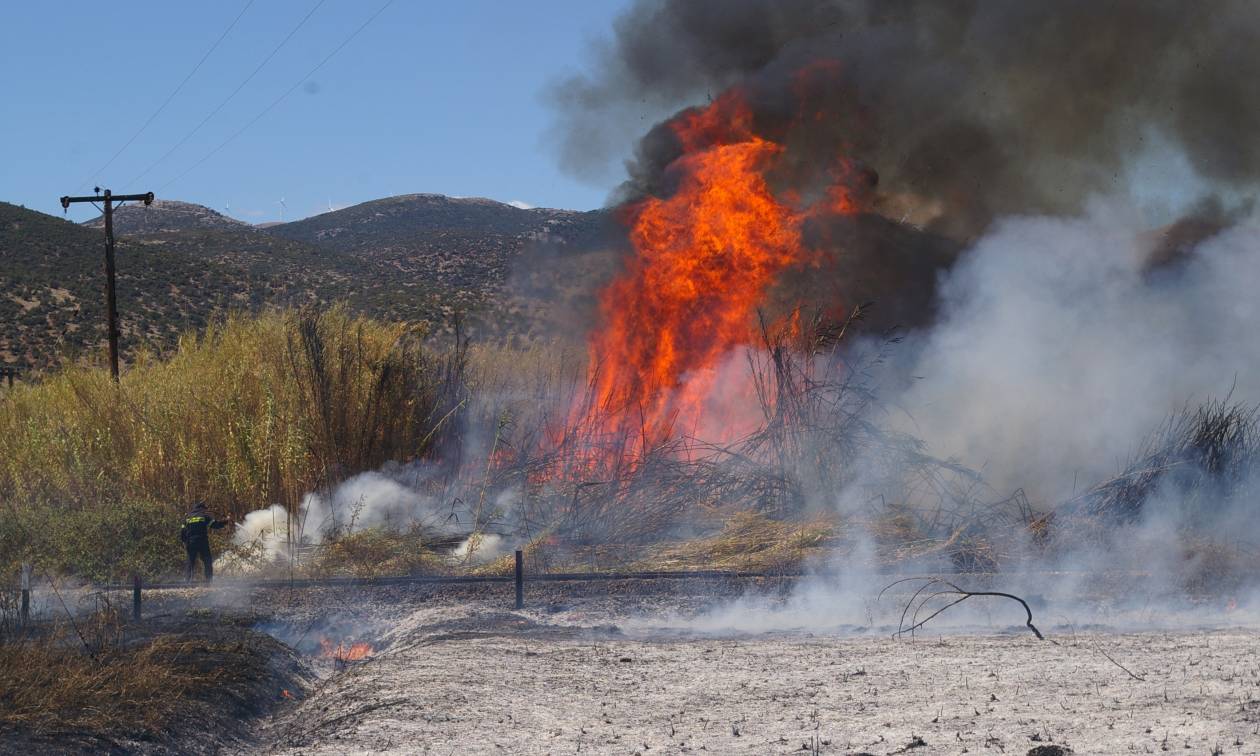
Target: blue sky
pixel 430 97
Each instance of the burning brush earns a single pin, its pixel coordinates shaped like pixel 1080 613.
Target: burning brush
pixel 343 652
pixel 704 259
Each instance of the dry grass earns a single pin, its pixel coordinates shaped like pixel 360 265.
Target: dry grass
pixel 263 411
pixel 605 498
pixel 255 411
pixel 1207 456
pixel 751 542
pixel 539 555
pixel 377 552
pixel 1193 484
pixel 97 682
pixel 52 683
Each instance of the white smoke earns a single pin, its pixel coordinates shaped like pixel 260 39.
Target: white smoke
pixel 1059 349
pixel 397 498
pixel 265 531
pixel 479 549
pixel 377 500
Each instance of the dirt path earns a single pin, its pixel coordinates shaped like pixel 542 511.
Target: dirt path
pixel 465 678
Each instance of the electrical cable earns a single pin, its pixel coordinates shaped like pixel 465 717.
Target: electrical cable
pixel 167 101
pixel 281 98
pixel 228 99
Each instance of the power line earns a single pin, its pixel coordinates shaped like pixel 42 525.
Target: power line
pixel 228 99
pixel 281 98
pixel 97 173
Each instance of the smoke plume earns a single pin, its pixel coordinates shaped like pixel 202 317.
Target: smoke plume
pixel 1050 198
pixel 1052 330
pixel 397 498
pixel 1059 348
pixel 966 110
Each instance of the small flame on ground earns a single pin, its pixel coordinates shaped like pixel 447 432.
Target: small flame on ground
pixel 344 652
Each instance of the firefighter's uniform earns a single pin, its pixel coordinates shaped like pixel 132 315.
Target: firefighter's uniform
pixel 196 537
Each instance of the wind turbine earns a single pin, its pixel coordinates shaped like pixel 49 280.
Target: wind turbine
pixel 282 209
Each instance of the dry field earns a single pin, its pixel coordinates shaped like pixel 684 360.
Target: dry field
pixel 625 668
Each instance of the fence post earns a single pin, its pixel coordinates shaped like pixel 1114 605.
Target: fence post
pixel 26 593
pixel 520 579
pixel 135 597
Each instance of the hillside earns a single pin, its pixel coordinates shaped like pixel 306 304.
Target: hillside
pixel 135 219
pixel 509 272
pixel 395 222
pixel 413 258
pixel 53 284
pixel 460 244
pixel 513 271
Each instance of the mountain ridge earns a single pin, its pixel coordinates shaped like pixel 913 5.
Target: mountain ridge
pixel 166 215
pixel 419 258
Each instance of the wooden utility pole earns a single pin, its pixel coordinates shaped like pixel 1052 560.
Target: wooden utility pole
pixel 111 301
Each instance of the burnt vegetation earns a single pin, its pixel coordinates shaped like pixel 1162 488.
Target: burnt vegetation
pixel 91 681
pixel 1206 458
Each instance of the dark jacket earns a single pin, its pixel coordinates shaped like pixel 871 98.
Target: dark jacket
pixel 197 525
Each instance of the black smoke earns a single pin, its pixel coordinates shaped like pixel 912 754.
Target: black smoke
pixel 981 107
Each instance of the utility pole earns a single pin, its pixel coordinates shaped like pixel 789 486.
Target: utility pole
pixel 111 301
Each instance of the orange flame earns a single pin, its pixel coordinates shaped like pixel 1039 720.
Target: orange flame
pixel 704 259
pixel 344 652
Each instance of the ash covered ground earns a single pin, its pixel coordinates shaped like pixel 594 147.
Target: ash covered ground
pixel 749 666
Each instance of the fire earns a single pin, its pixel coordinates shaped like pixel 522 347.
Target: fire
pixel 344 652
pixel 704 259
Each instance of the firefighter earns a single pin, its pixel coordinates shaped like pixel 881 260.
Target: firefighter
pixel 196 537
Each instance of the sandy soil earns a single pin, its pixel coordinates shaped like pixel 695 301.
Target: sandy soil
pixel 616 672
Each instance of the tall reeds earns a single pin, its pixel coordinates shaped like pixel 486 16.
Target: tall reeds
pixel 254 411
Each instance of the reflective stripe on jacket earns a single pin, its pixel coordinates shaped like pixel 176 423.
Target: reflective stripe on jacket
pixel 197 527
